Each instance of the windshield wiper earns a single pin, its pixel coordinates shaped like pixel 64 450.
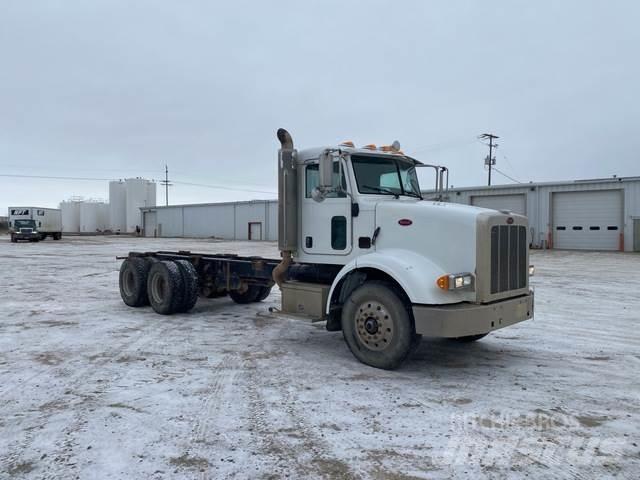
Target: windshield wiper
pixel 382 190
pixel 413 194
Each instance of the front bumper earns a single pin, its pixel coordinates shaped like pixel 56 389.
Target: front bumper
pixel 25 236
pixel 463 319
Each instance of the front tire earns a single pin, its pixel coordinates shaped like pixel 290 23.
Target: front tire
pixel 377 326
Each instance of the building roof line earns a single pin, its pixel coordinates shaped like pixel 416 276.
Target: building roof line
pixel 241 202
pixel 543 184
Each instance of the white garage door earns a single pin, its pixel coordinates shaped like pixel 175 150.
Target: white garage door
pixel 514 203
pixel 587 220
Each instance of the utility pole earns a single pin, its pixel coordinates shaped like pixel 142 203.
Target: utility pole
pixel 490 160
pixel 166 184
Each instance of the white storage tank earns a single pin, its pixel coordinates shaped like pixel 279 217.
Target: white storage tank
pixel 70 212
pixel 89 216
pixel 117 206
pixel 140 193
pixel 104 212
pixel 151 194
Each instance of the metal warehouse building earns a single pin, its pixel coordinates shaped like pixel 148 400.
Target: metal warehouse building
pixel 599 214
pixel 253 220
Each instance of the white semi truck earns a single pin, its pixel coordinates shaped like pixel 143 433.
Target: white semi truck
pixel 364 251
pixel 34 223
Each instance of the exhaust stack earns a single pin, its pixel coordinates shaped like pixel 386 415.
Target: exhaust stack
pixel 287 204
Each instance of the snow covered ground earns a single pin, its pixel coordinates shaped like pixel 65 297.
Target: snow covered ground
pixel 90 388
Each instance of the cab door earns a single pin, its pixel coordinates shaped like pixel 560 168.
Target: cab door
pixel 326 226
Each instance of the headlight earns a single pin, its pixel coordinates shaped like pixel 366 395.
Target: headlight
pixel 455 281
pixel 532 270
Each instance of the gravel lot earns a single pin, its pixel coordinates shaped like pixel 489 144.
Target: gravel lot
pixel 90 388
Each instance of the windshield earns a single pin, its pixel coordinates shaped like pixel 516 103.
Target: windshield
pixel 25 223
pixel 385 175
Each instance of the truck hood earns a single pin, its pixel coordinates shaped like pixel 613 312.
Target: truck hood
pixel 443 232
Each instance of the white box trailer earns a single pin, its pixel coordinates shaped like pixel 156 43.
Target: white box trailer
pixel 34 223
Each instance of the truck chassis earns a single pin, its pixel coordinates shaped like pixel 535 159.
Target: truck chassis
pixel 171 281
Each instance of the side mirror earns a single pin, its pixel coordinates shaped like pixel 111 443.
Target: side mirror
pixel 325 180
pixel 326 170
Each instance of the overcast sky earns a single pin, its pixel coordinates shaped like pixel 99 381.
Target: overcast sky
pixel 114 89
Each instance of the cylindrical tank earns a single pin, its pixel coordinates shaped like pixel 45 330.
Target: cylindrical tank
pixel 103 216
pixel 117 206
pixel 151 194
pixel 138 196
pixel 70 212
pixel 89 216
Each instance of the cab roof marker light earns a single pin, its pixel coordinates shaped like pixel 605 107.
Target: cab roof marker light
pixel 348 143
pixel 371 146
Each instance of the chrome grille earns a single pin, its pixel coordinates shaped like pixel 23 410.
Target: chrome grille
pixel 509 269
pixel 26 230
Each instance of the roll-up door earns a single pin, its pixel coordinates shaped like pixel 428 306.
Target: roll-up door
pixel 589 220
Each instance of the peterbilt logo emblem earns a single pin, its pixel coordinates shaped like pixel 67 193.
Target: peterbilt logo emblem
pixel 510 220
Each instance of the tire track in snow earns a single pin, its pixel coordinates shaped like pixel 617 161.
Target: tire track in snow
pixel 74 382
pixel 295 448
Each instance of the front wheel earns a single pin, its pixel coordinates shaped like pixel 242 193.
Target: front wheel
pixel 377 326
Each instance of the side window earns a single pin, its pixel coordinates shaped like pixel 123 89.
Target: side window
pixel 339 233
pixel 40 213
pixel 312 175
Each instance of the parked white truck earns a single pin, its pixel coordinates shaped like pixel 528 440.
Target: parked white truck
pixel 34 223
pixel 364 251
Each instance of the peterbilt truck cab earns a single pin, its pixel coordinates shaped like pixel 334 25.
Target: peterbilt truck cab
pixel 364 250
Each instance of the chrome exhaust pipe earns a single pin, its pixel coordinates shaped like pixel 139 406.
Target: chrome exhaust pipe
pixel 287 205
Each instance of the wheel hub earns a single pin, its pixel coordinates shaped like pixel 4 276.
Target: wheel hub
pixel 374 325
pixel 371 326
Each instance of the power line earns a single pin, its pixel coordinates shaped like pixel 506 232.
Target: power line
pixel 204 185
pixel 53 177
pixel 505 175
pixel 220 187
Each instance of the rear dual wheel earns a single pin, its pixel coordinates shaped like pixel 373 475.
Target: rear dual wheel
pixel 168 286
pixel 165 287
pixel 133 281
